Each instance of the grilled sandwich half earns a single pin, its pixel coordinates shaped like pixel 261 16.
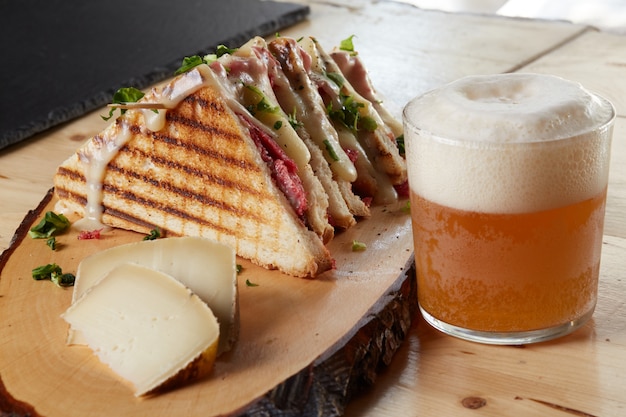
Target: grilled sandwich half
pixel 196 168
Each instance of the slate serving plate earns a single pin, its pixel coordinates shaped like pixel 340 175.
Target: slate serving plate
pixel 63 58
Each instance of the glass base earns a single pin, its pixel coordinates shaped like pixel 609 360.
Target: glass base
pixel 506 338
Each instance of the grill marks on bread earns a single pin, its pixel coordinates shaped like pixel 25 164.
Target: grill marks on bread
pixel 146 171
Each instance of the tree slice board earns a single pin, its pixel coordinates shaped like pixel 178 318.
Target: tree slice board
pixel 306 345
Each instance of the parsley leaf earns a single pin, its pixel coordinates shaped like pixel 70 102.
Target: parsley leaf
pixel 223 50
pixel 121 96
pixel 348 115
pixel 154 234
pixel 331 150
pixel 336 78
pixel 45 271
pixel 293 120
pixel 189 62
pixel 251 284
pixel 400 143
pixel 347 45
pixel 358 246
pixel 263 104
pixel 52 242
pixel 51 224
pixel 54 273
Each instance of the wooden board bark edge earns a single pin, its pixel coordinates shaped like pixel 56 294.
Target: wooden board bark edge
pixel 324 387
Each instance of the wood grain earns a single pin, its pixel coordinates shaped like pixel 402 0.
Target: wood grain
pixel 294 332
pixel 409 50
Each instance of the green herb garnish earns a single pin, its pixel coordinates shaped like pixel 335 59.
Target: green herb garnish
pixel 336 78
pixel 400 144
pixel 368 123
pixel 50 225
pixel 349 115
pixel 239 268
pixel 45 271
pixel 54 273
pixel 293 120
pixel 154 234
pixel 358 246
pixel 63 280
pixel 263 104
pixel 251 284
pixel 331 150
pixel 347 45
pixel 52 242
pixel 223 50
pixel 278 124
pixel 121 96
pixel 189 62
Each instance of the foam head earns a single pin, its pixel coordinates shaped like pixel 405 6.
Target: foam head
pixel 508 143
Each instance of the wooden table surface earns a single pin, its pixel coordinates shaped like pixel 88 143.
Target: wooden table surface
pixel 408 52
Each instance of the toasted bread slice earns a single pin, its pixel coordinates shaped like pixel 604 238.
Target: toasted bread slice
pixel 201 174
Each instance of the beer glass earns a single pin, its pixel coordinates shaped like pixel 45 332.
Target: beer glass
pixel 508 178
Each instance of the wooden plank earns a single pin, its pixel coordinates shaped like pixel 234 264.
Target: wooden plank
pixel 296 336
pixel 409 50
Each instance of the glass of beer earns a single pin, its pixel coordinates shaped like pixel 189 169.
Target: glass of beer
pixel 508 178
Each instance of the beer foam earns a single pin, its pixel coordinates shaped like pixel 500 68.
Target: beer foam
pixel 508 143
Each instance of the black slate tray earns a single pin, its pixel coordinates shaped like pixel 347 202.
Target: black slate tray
pixel 62 58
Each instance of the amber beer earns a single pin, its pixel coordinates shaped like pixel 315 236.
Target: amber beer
pixel 508 177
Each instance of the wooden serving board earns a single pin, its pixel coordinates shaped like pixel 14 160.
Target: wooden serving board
pixel 305 346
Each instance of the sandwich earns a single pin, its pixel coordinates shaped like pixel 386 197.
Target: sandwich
pixel 241 149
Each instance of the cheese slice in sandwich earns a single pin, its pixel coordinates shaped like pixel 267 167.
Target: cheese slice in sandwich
pixel 353 114
pixel 200 167
pixel 339 171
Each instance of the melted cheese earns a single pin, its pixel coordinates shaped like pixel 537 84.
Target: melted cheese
pixel 146 326
pixel 386 192
pixel 97 154
pixel 95 158
pixel 250 70
pixel 206 267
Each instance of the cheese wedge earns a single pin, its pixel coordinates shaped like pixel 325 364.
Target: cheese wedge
pixel 206 267
pixel 147 327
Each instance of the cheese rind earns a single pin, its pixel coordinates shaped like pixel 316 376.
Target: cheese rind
pixel 147 327
pixel 206 267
